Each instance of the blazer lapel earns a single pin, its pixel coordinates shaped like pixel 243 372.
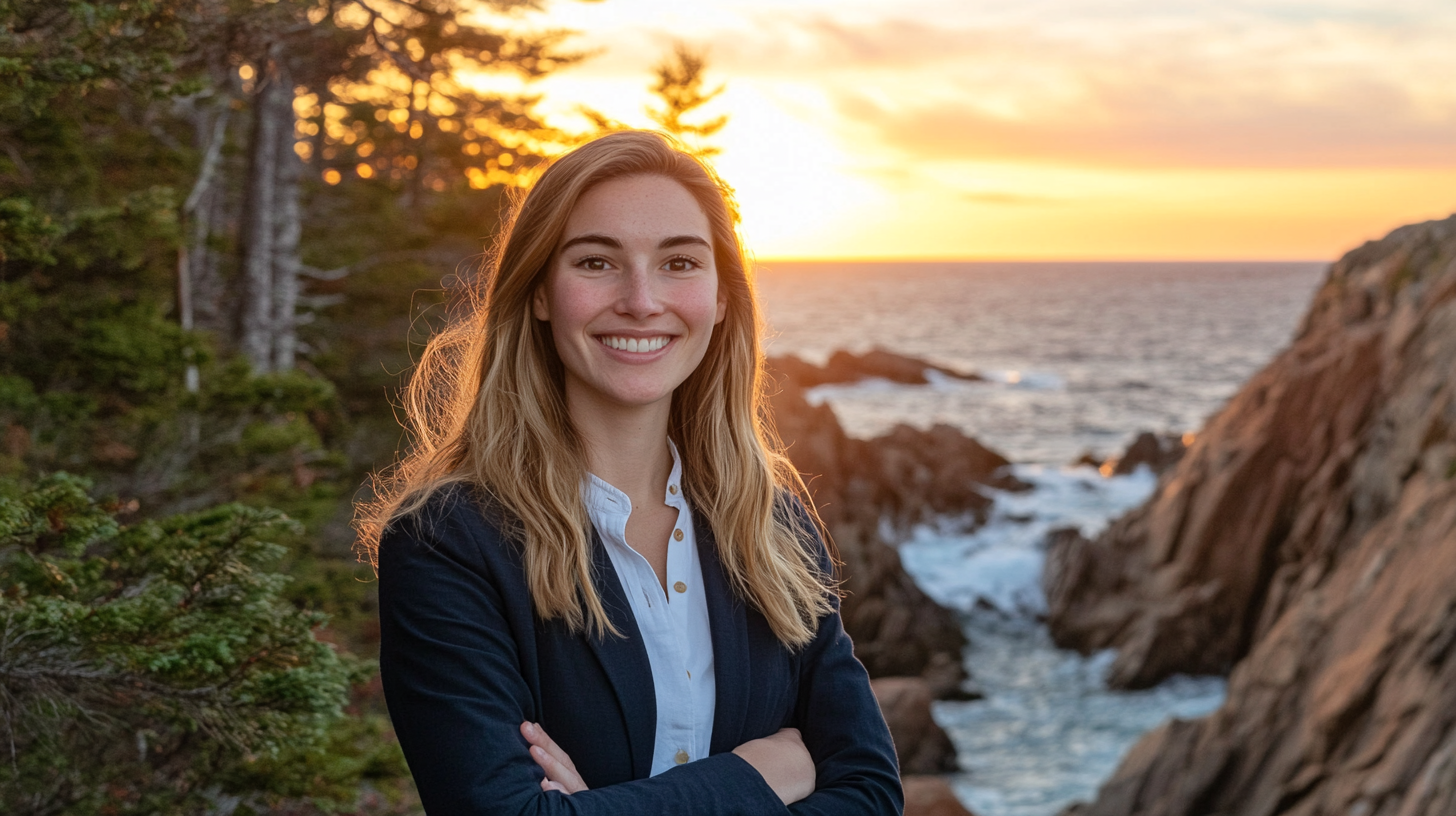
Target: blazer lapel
pixel 624 659
pixel 728 621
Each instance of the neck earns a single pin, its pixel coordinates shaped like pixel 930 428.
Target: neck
pixel 626 447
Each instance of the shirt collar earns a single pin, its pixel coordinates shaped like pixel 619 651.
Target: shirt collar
pixel 601 496
pixel 673 493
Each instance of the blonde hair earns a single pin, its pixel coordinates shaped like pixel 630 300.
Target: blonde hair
pixel 486 406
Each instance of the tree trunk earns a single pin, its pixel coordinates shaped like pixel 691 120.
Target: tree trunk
pixel 193 256
pixel 255 324
pixel 288 228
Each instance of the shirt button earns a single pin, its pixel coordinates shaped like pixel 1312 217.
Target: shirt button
pixel 680 586
pixel 672 489
pixel 677 535
pixel 682 756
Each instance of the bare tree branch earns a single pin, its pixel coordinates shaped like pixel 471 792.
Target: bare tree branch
pixel 210 159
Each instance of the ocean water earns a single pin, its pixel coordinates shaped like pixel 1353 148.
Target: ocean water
pixel 1079 357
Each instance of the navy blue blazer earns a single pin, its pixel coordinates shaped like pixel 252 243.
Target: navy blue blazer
pixel 465 659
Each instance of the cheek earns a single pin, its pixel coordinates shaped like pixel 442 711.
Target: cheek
pixel 708 304
pixel 567 304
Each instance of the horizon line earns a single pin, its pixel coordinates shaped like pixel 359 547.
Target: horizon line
pixel 759 261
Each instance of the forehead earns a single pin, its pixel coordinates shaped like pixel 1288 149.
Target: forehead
pixel 648 207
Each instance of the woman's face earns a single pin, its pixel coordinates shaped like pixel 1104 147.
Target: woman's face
pixel 632 293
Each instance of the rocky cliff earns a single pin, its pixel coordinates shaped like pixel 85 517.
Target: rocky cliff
pixel 1306 543
pixel 858 485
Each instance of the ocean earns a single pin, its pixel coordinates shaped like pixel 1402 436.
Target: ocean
pixel 1083 354
pixel 1078 357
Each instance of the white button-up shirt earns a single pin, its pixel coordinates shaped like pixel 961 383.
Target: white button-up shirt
pixel 674 624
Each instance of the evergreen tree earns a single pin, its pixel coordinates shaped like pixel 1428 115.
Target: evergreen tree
pixel 154 668
pixel 213 214
pixel 680 85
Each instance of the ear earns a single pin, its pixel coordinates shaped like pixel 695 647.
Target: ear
pixel 722 307
pixel 540 306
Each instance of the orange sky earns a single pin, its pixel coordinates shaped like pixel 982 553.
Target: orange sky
pixel 1070 129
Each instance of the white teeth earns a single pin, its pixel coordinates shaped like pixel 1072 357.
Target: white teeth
pixel 633 344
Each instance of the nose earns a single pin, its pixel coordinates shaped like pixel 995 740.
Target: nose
pixel 639 296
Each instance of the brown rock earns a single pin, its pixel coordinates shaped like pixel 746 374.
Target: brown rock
pixel 845 367
pixel 1158 451
pixel 903 477
pixel 931 796
pixel 920 744
pixel 946 678
pixel 1308 542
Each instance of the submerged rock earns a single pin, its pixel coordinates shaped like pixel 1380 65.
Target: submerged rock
pixel 1306 544
pixel 845 367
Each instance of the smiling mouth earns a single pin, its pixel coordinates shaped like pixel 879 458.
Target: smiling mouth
pixel 639 345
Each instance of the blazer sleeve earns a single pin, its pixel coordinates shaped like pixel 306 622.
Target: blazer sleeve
pixel 840 720
pixel 449 662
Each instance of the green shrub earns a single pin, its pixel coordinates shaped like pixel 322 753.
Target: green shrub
pixel 157 668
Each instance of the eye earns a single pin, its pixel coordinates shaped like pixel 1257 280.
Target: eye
pixel 682 263
pixel 593 263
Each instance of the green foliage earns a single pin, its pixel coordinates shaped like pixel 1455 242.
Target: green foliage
pixel 191 674
pixel 155 667
pixel 48 47
pixel 97 385
pixel 137 231
pixel 403 114
pixel 25 234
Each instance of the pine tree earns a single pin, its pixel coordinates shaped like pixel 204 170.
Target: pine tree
pixel 679 85
pixel 153 668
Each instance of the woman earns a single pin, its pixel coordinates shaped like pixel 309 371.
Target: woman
pixel 598 593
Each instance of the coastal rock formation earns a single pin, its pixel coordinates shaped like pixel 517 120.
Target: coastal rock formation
pixel 931 796
pixel 845 367
pixel 1307 542
pixel 1159 452
pixel 901 478
pixel 920 744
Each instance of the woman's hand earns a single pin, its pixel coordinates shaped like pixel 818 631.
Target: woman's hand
pixel 560 771
pixel 783 762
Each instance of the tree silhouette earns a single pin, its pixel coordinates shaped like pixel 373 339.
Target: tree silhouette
pixel 679 85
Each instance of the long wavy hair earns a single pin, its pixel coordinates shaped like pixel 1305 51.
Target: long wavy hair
pixel 486 406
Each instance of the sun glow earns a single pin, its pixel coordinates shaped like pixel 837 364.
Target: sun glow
pixel 794 188
pixel 860 130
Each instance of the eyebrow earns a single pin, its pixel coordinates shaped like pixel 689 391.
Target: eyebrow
pixel 607 240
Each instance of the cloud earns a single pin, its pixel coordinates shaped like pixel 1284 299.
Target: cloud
pixel 1102 83
pixel 1137 125
pixel 1319 88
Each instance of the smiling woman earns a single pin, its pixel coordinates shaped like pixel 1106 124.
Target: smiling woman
pixel 599 589
pixel 632 296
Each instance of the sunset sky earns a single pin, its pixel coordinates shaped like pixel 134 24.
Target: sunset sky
pixel 1057 129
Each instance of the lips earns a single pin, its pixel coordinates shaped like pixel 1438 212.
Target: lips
pixel 639 345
